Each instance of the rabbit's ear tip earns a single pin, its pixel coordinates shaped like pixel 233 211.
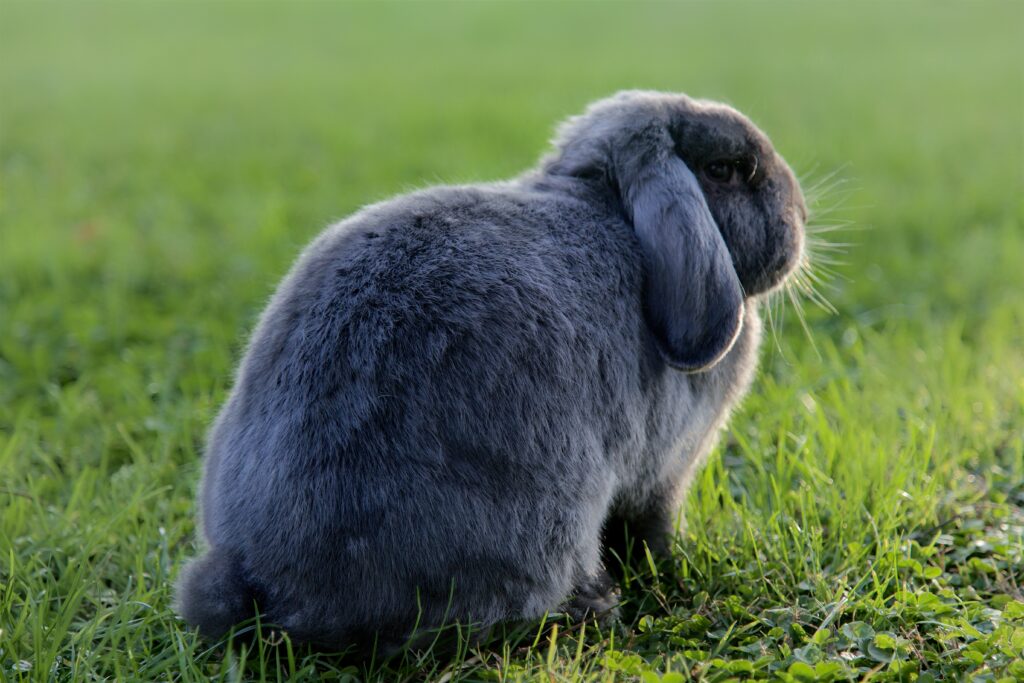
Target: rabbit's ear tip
pixel 709 348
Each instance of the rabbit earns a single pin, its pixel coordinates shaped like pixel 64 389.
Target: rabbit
pixel 460 401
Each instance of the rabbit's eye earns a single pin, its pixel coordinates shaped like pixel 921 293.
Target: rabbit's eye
pixel 720 171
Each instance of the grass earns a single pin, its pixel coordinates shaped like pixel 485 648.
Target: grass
pixel 161 166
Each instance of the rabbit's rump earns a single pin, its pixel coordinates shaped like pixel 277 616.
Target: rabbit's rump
pixel 432 417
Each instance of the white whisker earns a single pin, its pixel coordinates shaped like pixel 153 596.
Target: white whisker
pixel 769 312
pixel 828 246
pixel 818 228
pixel 827 260
pixel 798 307
pixel 820 264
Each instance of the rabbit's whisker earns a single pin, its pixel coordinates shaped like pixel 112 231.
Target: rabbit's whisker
pixel 799 309
pixel 779 302
pixel 822 284
pixel 830 177
pixel 818 298
pixel 809 173
pixel 818 241
pixel 817 228
pixel 837 199
pixel 819 275
pixel 836 205
pixel 826 197
pixel 776 311
pixel 827 247
pixel 824 184
pixel 769 307
pixel 823 275
pixel 827 260
pixel 815 273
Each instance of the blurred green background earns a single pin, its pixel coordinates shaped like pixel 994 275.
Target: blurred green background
pixel 162 164
pixel 135 138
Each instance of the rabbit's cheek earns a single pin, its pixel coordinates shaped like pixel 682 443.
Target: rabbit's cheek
pixel 783 257
pixel 796 243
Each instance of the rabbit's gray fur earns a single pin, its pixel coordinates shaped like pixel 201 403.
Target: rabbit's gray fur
pixel 454 392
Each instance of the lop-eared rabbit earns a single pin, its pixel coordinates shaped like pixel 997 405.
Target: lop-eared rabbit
pixel 458 398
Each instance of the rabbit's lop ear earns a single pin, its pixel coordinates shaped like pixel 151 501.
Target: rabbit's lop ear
pixel 693 300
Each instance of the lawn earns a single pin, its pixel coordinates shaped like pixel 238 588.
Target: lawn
pixel 161 166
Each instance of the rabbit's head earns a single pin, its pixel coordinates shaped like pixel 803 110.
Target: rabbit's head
pixel 717 212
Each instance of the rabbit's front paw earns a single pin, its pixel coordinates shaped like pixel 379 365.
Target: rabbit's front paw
pixel 596 598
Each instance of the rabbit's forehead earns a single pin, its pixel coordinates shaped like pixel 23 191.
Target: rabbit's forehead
pixel 718 129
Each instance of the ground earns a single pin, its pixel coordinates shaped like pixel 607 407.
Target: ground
pixel 161 166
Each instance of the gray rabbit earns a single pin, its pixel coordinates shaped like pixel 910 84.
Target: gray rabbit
pixel 458 399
